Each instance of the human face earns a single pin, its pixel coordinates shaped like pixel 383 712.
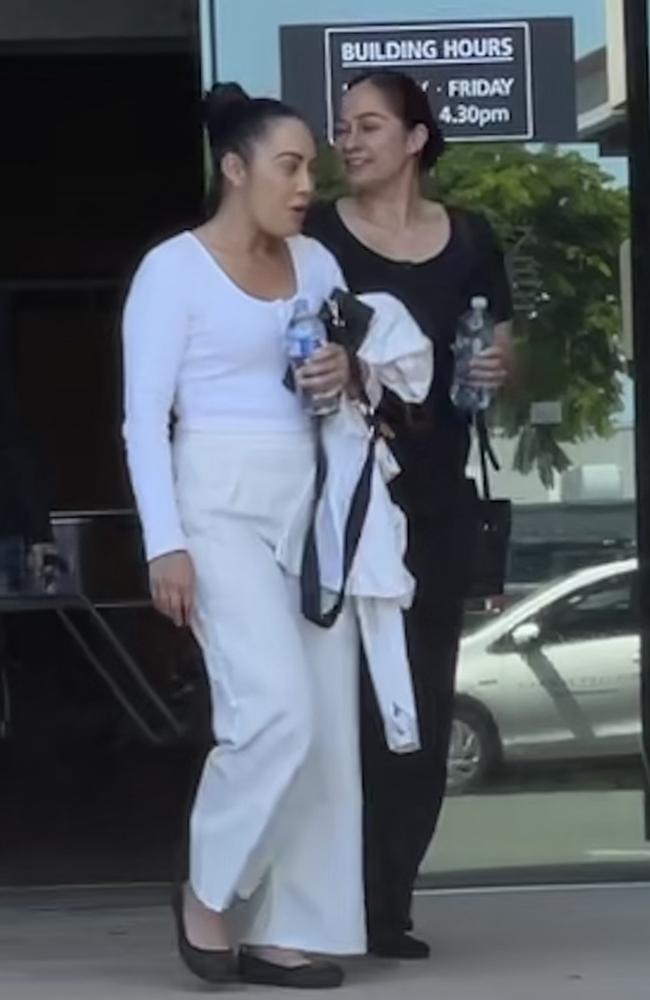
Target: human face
pixel 276 181
pixel 375 145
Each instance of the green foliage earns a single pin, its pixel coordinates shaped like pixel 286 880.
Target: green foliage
pixel 329 179
pixel 561 222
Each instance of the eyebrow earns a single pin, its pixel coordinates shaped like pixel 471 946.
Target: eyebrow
pixel 289 152
pixel 366 114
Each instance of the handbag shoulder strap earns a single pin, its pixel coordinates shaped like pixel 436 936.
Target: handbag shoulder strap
pixel 486 452
pixel 310 582
pixel 473 231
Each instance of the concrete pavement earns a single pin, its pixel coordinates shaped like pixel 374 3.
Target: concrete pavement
pixel 569 944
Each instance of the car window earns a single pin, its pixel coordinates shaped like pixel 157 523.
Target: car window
pixel 603 609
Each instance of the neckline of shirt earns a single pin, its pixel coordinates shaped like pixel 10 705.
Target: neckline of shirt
pixel 394 261
pixel 218 267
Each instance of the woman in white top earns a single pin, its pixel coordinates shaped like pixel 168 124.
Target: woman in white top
pixel 275 845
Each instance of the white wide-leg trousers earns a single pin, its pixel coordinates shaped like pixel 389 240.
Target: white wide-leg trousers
pixel 276 824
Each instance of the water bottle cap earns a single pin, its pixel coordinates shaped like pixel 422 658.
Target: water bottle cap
pixel 301 307
pixel 479 302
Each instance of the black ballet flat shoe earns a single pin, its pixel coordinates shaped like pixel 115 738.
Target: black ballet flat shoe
pixel 401 946
pixel 311 976
pixel 217 967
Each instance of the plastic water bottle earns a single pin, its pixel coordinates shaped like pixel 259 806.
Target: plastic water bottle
pixel 306 334
pixel 475 333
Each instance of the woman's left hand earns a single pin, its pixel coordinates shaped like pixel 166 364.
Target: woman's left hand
pixel 492 367
pixel 487 369
pixel 327 373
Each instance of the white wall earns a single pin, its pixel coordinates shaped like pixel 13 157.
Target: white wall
pixel 618 450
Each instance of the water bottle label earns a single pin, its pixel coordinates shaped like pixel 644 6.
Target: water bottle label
pixel 475 333
pixel 306 335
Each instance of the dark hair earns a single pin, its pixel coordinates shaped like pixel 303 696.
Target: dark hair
pixel 409 102
pixel 234 122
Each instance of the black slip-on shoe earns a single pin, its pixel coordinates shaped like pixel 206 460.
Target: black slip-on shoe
pixel 316 975
pixel 216 967
pixel 402 946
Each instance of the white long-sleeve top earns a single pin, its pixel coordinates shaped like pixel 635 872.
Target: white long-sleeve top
pixel 199 347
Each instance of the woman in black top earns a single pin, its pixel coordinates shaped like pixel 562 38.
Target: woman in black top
pixel 388 237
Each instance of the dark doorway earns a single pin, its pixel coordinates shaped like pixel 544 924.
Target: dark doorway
pixel 102 157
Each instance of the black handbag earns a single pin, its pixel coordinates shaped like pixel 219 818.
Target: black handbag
pixel 489 523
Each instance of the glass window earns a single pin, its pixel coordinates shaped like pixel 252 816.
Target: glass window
pixel 602 610
pixel 552 776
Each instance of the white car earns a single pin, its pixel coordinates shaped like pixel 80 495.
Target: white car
pixel 555 677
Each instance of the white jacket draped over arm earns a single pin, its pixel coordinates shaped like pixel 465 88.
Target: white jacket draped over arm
pixel 397 356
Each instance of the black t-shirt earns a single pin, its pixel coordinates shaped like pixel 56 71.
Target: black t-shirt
pixel 432 440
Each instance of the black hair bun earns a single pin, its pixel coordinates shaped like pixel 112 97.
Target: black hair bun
pixel 223 106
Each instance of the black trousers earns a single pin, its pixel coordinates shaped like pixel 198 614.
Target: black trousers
pixel 403 794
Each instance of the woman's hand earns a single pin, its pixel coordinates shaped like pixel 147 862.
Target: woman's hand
pixel 492 367
pixel 172 584
pixel 327 373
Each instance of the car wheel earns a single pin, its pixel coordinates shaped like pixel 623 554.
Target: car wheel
pixel 473 749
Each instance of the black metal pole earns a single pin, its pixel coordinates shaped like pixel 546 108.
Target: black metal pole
pixel 638 104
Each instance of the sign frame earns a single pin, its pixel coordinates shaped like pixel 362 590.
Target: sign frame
pixel 438 27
